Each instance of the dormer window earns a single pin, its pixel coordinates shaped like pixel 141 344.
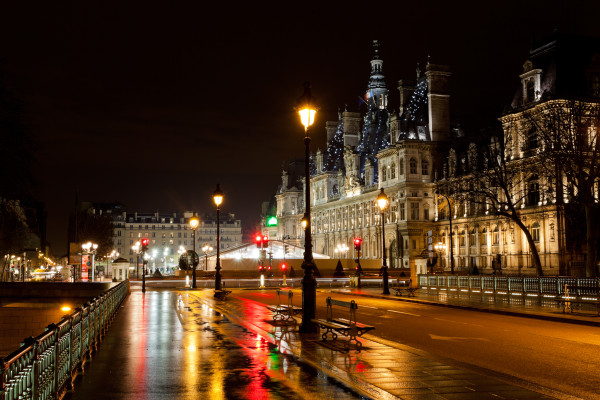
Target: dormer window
pixel 531 82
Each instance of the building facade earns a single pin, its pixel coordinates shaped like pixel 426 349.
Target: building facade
pixel 414 154
pixel 170 234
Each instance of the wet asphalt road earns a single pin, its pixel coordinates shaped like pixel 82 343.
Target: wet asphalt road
pixel 167 345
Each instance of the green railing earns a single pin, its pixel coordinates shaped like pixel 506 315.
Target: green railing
pixel 46 366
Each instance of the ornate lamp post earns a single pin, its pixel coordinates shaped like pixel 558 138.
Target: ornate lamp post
pixel 218 199
pixel 90 248
pixel 307 110
pixel 194 222
pixel 206 248
pixel 382 202
pixel 451 244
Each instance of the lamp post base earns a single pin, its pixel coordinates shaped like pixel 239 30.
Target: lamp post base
pixel 309 299
pixel 386 287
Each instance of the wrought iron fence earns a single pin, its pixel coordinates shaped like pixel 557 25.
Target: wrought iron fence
pixel 46 366
pixel 551 286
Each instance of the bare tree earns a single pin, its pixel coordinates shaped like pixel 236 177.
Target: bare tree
pixel 495 185
pixel 569 133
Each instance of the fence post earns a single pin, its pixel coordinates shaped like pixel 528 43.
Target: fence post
pixel 523 289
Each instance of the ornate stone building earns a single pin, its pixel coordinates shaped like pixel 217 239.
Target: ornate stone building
pixel 414 153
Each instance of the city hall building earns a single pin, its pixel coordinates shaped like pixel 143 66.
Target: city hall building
pixel 415 156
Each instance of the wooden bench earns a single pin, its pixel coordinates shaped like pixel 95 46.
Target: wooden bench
pixel 405 285
pixel 577 294
pixel 347 327
pixel 285 312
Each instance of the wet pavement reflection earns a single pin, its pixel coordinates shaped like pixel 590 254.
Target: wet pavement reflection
pixel 168 345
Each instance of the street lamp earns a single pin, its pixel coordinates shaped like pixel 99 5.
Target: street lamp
pixel 450 219
pixel 137 249
pixel 194 222
pixel 206 248
pixel 382 202
pixel 90 248
pixel 341 248
pixel 439 247
pixel 218 199
pixel 307 110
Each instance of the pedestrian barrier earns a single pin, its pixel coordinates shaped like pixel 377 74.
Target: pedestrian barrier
pixel 582 290
pixel 347 327
pixel 580 293
pixel 46 366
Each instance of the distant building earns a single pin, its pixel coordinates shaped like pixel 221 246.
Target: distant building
pixel 169 233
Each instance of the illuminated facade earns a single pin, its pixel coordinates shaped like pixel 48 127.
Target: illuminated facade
pixel 418 153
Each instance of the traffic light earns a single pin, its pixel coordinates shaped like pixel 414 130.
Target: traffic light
pixel 283 267
pixel 258 240
pixel 145 243
pixel 265 240
pixel 260 268
pixel 357 243
pixel 286 249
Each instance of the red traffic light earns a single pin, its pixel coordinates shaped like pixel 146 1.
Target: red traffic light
pixel 265 240
pixel 357 243
pixel 260 267
pixel 145 242
pixel 283 266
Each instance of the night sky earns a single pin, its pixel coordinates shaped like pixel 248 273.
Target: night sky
pixel 152 104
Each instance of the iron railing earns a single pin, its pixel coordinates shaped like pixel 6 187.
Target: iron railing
pixel 46 366
pixel 551 286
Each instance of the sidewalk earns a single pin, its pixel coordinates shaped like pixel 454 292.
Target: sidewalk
pixel 382 370
pixel 528 307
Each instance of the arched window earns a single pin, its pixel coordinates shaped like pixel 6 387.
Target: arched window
pixel 424 167
pixel 413 166
pixel 472 238
pixel 535 232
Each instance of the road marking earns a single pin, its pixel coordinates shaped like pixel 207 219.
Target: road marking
pixel 402 312
pixel 456 338
pixel 374 308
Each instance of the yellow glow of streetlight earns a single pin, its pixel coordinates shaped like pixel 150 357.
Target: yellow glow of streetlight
pixel 194 221
pixel 382 200
pixel 218 196
pixel 304 222
pixel 65 308
pixel 306 108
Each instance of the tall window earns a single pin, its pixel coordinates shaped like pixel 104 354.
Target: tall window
pixel 533 192
pixel 496 236
pixel 530 90
pixel 414 211
pixel 401 165
pixel 535 232
pixel 413 166
pixel 483 238
pixel 424 167
pixel 462 238
pixel 426 214
pixel 393 171
pixel 402 211
pixel 472 238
